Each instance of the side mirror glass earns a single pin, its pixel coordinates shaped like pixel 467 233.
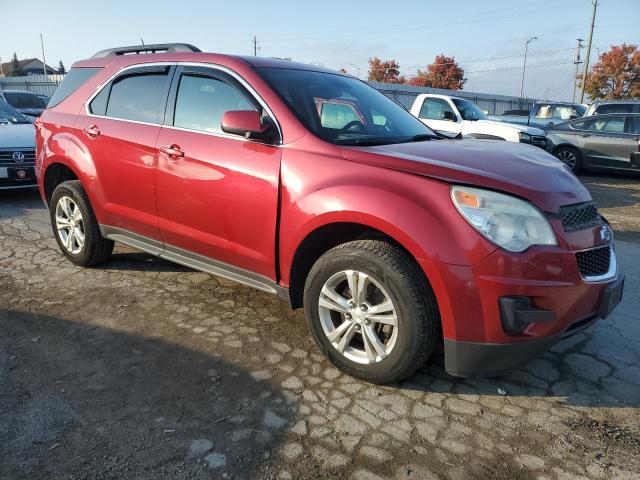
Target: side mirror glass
pixel 244 122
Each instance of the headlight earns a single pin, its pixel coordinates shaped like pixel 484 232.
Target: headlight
pixel 524 137
pixel 512 223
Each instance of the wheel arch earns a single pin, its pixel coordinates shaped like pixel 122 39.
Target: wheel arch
pixel 56 173
pixel 322 239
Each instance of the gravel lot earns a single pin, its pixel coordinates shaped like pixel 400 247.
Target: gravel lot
pixel 144 369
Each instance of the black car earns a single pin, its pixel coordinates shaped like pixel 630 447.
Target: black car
pixel 602 141
pixel 27 103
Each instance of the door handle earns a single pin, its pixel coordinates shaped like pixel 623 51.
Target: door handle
pixel 585 135
pixel 172 151
pixel 91 131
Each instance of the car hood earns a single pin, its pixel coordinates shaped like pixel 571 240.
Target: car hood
pixel 515 126
pixel 521 170
pixel 22 135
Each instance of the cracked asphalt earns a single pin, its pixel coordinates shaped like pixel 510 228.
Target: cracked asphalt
pixel 144 369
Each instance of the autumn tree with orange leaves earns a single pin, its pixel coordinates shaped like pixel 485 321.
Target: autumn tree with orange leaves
pixel 444 72
pixel 616 76
pixel 387 71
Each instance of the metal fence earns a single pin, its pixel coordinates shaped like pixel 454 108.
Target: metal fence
pixel 493 104
pixel 41 84
pixel 405 94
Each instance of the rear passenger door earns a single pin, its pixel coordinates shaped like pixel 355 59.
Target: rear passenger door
pixel 119 133
pixel 606 141
pixel 218 198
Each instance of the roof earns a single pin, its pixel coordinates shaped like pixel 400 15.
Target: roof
pixel 631 100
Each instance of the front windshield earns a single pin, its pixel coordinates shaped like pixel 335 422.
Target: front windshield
pixel 344 110
pixel 469 110
pixel 25 100
pixel 8 114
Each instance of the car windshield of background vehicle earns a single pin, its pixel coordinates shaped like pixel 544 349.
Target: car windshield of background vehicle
pixel 8 114
pixel 343 110
pixel 24 100
pixel 469 110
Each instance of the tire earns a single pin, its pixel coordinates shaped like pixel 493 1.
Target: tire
pixel 571 156
pixel 95 249
pixel 387 273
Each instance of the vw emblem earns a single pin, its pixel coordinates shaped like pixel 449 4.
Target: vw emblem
pixel 606 234
pixel 18 157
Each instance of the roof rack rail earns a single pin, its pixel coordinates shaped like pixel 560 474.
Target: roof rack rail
pixel 154 48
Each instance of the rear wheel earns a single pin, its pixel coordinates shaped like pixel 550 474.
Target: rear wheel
pixel 371 311
pixel 75 226
pixel 571 156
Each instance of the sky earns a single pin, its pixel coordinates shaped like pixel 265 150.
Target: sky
pixel 487 37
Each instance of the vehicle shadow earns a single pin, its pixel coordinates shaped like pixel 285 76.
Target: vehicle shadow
pixel 15 203
pixel 84 401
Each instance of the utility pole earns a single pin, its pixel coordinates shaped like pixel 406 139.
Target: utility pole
pixel 44 60
pixel 524 65
pixel 255 46
pixel 576 60
pixel 586 60
pixel 1 70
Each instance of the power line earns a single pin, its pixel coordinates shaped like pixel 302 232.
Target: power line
pixel 433 23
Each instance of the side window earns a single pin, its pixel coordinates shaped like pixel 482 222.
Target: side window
pixel 582 125
pixel 98 105
pixel 136 97
pixel 337 115
pixel 202 101
pixel 634 125
pixel 545 111
pixel 434 109
pixel 608 125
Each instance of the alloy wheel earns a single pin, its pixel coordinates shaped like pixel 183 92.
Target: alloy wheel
pixel 568 157
pixel 358 316
pixel 70 225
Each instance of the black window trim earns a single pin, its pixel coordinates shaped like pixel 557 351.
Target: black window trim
pixel 129 71
pixel 224 74
pixel 172 85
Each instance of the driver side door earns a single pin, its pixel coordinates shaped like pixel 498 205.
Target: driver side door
pixel 217 192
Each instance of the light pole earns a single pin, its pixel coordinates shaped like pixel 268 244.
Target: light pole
pixel 524 65
pixel 357 69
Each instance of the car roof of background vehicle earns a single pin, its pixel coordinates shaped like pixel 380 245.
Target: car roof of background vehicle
pixel 6 90
pixel 630 100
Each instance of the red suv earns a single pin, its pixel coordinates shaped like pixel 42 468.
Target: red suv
pixel 312 185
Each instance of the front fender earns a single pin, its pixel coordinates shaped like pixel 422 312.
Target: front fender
pixel 415 211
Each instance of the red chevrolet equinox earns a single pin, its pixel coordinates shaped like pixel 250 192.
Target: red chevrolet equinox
pixel 312 185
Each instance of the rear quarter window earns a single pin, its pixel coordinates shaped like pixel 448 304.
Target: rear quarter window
pixel 71 82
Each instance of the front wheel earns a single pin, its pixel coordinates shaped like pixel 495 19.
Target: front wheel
pixel 371 311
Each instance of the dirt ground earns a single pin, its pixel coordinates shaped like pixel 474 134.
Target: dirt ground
pixel 141 369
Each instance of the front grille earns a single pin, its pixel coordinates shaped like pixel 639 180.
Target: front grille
pixel 594 262
pixel 7 160
pixel 579 216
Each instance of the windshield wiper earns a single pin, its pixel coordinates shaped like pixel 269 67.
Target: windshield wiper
pixel 364 142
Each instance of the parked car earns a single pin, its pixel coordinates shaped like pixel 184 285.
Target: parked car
pixel 601 141
pixel 601 107
pixel 543 115
pixel 17 149
pixel 27 103
pixel 259 170
pixel 455 115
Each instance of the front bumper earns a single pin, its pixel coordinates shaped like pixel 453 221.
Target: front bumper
pixel 560 302
pixel 466 359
